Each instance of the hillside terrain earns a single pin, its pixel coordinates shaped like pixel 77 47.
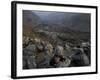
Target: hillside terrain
pixel 47 35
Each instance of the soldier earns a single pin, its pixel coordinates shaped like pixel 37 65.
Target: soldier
pixel 39 45
pixel 25 41
pixel 47 55
pixel 59 50
pixel 48 49
pixel 59 61
pixel 86 49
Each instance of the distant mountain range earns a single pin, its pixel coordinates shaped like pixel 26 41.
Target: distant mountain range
pixel 53 26
pixel 57 21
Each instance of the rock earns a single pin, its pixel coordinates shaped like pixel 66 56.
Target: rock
pixel 29 62
pixel 36 40
pixel 29 57
pixel 31 47
pixel 79 59
pixel 45 62
pixel 29 50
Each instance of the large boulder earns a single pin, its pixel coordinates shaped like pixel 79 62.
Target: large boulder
pixel 79 58
pixel 29 53
pixel 29 62
pixel 29 50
